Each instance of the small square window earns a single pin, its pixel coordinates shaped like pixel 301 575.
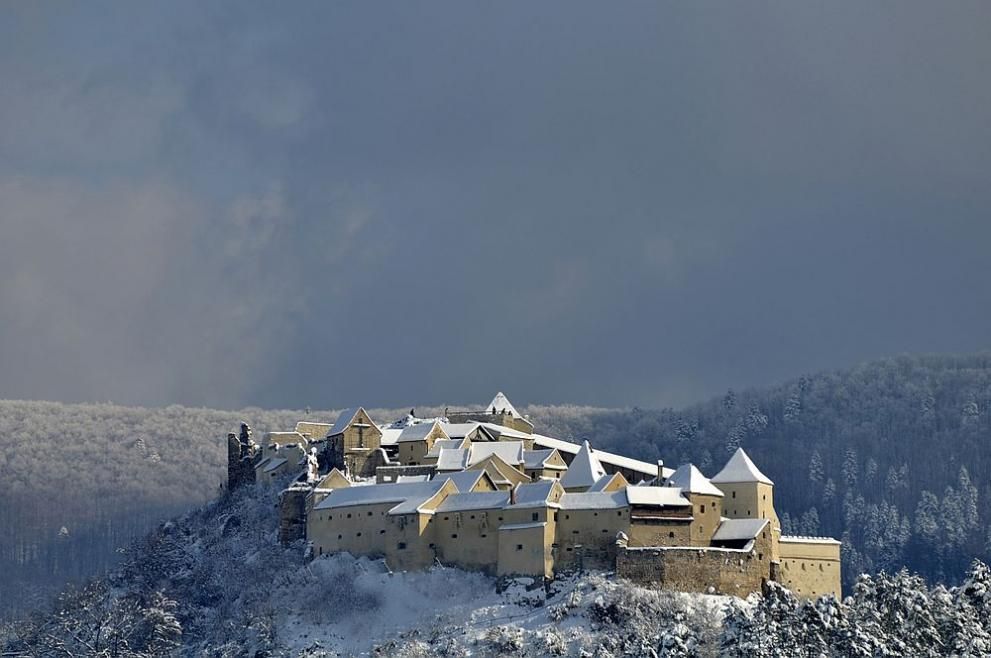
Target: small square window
pixel 535 516
pixel 401 546
pixel 519 547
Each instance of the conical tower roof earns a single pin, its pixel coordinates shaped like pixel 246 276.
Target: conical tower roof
pixel 690 480
pixel 502 404
pixel 739 468
pixel 584 470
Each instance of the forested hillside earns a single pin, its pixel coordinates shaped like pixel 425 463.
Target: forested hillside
pixel 892 456
pixel 79 482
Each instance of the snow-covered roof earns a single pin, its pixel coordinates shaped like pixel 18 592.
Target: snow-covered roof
pixel 594 500
pixel 274 463
pixel 444 444
pixel 533 494
pixel 343 420
pixel 510 452
pixel 474 500
pixel 739 468
pixel 500 431
pixel 501 404
pixel 739 529
pixel 690 480
pixel 405 479
pixel 390 435
pixel 458 430
pixel 416 432
pixel 534 459
pixel 603 482
pixel 584 470
pixel 452 460
pixel 656 496
pixel 316 430
pixel 612 459
pixel 801 539
pixel 465 481
pixel 376 494
pixel 285 438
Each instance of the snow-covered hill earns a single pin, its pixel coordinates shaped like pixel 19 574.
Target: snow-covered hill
pixel 216 583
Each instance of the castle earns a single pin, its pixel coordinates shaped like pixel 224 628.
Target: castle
pixel 481 490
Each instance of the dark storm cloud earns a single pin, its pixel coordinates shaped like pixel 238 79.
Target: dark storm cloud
pixel 423 203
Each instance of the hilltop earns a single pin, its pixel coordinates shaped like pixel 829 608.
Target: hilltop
pixel 215 582
pixel 891 456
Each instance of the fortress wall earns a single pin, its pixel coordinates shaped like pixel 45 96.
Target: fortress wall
pixel 810 568
pixel 587 538
pixel 659 532
pixel 468 539
pixel 723 571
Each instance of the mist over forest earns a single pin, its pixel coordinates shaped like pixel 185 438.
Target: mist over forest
pixel 889 456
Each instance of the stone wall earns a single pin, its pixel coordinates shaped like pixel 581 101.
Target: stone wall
pixel 387 474
pixel 706 570
pixel 292 513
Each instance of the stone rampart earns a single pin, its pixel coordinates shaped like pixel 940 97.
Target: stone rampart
pixel 708 570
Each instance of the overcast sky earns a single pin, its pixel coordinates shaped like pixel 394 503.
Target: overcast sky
pixel 614 204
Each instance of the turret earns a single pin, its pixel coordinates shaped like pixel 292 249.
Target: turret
pixel 748 493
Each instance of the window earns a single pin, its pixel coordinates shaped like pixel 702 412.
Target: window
pixel 567 516
pixel 605 530
pixel 760 556
pixel 472 516
pixel 358 535
pixel 401 546
pixel 349 516
pixel 574 532
pixel 340 536
pixel 619 514
pixel 381 532
pixel 369 514
pixel 447 518
pixel 535 516
pixel 519 547
pixel 671 535
pixel 454 536
pixel 484 536
pixel 321 550
pixel 734 494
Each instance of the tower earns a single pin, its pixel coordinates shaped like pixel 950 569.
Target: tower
pixel 747 493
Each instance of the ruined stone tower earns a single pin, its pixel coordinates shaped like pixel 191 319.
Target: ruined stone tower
pixel 242 456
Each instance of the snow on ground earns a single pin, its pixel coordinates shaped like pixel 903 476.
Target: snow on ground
pixel 447 611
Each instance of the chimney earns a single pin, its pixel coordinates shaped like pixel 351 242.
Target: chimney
pixel 512 495
pixel 660 473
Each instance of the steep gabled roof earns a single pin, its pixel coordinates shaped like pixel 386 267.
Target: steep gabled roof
pixel 458 430
pixel 534 459
pixel 390 435
pixel 502 404
pixel 445 444
pixel 510 452
pixel 534 494
pixel 739 468
pixel 417 432
pixel 618 461
pixel 452 460
pixel 345 419
pixel 375 494
pixel 479 500
pixel 690 480
pixel 465 481
pixel 584 471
